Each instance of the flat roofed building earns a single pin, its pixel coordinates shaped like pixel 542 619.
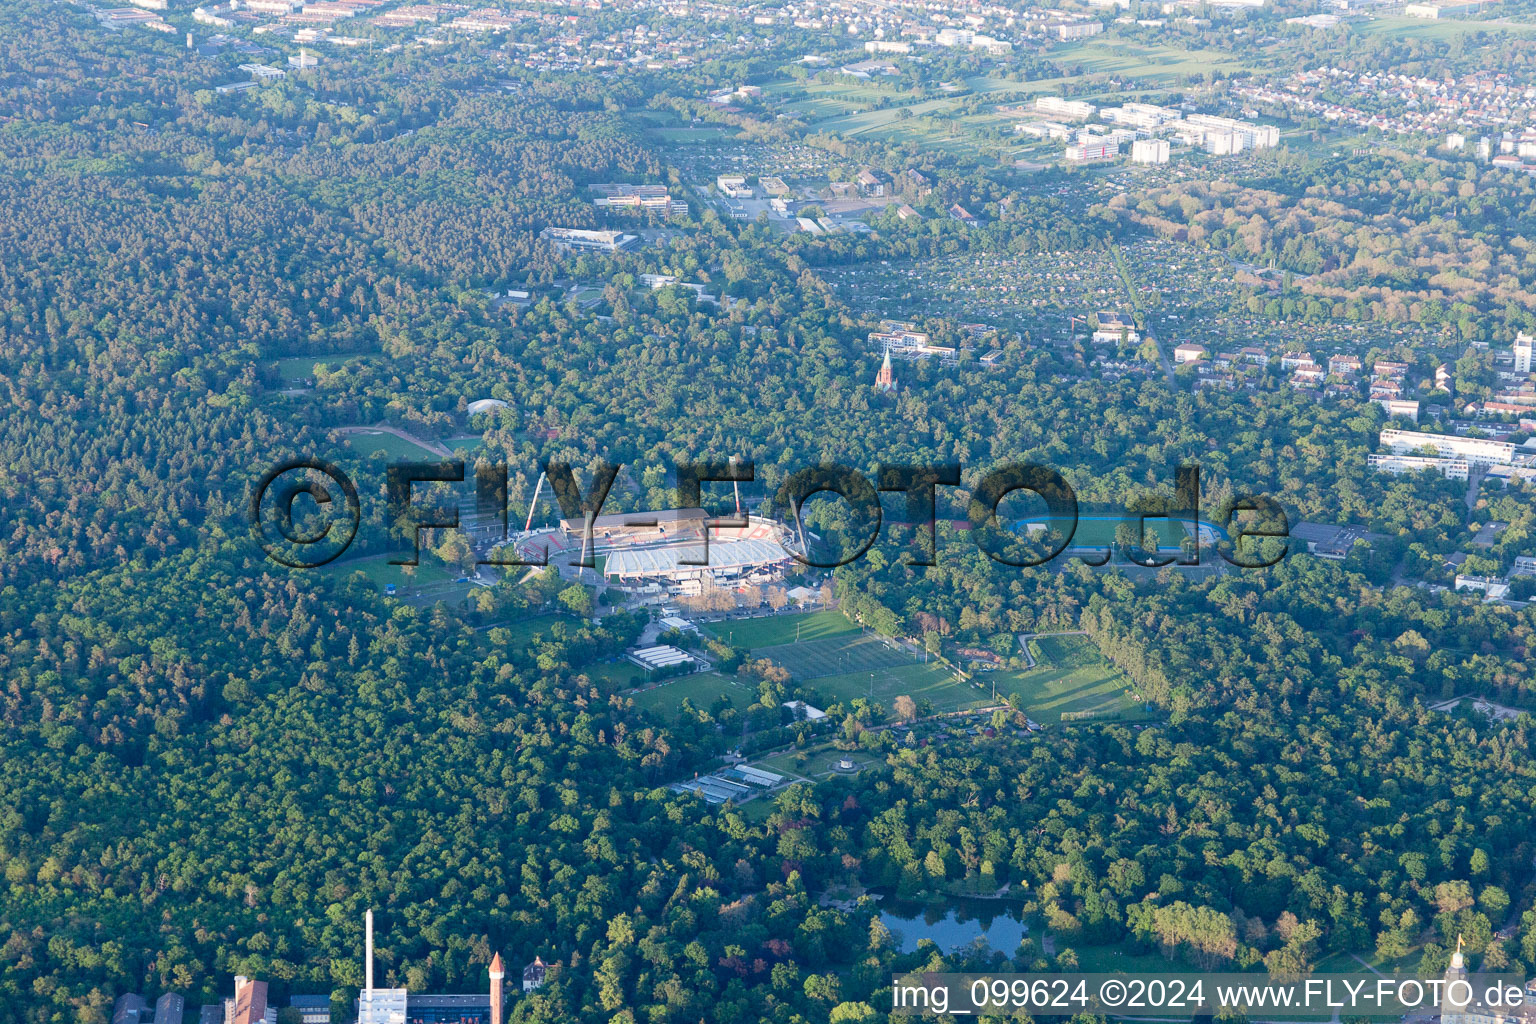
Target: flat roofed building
pixel 1452 469
pixel 1479 451
pixel 587 239
pixel 724 557
pixel 312 1009
pixel 660 656
pixel 382 1006
pixel 759 777
pixel 473 1008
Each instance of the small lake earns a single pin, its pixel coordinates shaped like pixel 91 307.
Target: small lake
pixel 954 923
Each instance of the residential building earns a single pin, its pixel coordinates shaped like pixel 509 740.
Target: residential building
pixel 1451 468
pixel 1477 451
pixel 1491 586
pixel 1525 565
pixel 1056 106
pixel 1078 30
pixel 870 183
pixel 1344 365
pixel 535 974
pixel 1399 407
pixel 1188 352
pixel 1149 151
pixel 1524 345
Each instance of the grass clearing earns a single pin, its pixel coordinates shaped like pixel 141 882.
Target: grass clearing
pixel 303 367
pixel 702 689
pixel 521 632
pixel 837 655
pixel 392 446
pixel 774 630
pixel 932 682
pixel 1072 679
pixel 819 761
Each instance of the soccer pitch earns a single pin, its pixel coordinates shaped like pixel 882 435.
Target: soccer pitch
pixel 1072 681
pixel 842 668
pixel 932 682
pixel 775 630
pixel 837 655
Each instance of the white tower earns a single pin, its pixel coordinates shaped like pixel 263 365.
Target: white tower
pixel 377 1005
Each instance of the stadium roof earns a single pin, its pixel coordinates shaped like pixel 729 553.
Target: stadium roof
pixel 723 554
pixel 637 519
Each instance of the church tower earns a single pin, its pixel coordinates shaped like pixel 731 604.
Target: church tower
pixel 1454 1005
pixel 497 973
pixel 885 381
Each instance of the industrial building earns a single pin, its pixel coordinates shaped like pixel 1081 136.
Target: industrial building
pixel 585 240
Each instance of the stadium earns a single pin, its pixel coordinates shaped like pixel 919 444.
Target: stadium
pixel 665 551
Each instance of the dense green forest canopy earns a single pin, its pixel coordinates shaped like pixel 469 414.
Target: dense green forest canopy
pixel 210 765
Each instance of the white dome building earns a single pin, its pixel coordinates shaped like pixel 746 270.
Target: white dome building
pixel 486 405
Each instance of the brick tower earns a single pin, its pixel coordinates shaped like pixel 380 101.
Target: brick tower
pixel 497 973
pixel 885 381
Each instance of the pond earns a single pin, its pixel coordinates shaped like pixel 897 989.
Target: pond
pixel 954 923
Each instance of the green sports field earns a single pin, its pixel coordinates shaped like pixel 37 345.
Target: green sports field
pixel 774 630
pixel 702 689
pixel 933 682
pixel 392 446
pixel 837 655
pixel 1071 681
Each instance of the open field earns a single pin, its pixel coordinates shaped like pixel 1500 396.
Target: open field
pixel 932 682
pixel 1071 677
pixel 1438 28
pixel 818 763
pixel 378 569
pixel 702 689
pixel 301 367
pixel 1157 63
pixel 521 632
pixel 1100 532
pixel 392 446
pixel 773 630
pixel 837 655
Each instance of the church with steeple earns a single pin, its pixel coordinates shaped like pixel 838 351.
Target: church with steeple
pixel 885 380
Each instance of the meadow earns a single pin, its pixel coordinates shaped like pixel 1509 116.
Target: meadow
pixel 1071 681
pixel 775 630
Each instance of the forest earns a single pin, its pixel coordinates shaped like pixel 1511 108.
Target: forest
pixel 211 765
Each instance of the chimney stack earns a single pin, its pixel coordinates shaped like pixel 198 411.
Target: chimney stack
pixel 368 952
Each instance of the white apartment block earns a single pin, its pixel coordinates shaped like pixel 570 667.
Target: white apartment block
pixel 1149 151
pixel 1056 106
pixel 1477 451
